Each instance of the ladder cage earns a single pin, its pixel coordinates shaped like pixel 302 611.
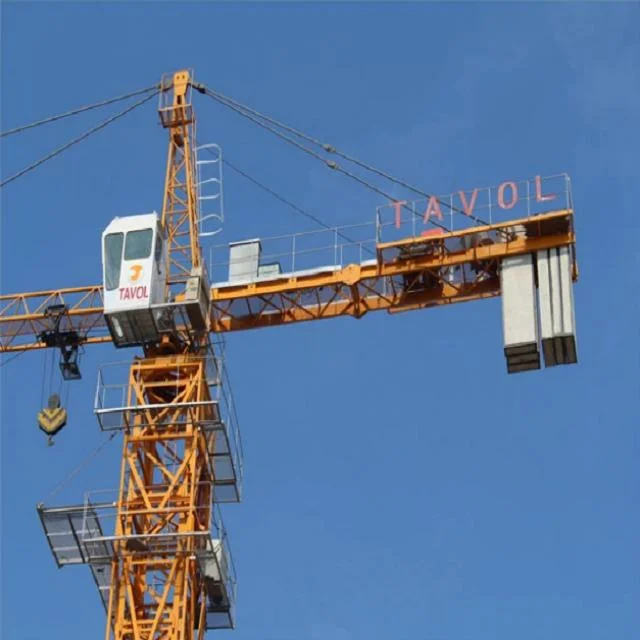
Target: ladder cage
pixel 209 188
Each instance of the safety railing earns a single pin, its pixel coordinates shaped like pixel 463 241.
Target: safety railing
pixel 329 250
pixel 88 534
pixel 120 404
pixel 122 397
pixel 97 530
pixel 294 255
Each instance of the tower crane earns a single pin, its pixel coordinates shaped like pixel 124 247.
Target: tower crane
pixel 157 550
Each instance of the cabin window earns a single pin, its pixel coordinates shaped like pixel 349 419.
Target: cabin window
pixel 112 260
pixel 138 246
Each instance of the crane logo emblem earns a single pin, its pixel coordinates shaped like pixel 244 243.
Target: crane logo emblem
pixel 135 272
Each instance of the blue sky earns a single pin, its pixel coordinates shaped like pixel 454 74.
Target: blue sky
pixel 398 483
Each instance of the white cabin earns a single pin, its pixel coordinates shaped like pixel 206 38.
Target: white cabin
pixel 134 277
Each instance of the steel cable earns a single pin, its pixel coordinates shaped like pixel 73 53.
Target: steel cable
pixel 329 148
pixel 11 358
pixel 329 163
pixel 85 135
pixel 74 112
pixel 290 204
pixel 82 465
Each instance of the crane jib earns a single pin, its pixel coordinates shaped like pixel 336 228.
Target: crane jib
pixel 276 298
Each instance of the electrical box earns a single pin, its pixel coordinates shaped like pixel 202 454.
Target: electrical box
pixel 197 298
pixel 269 271
pixel 244 258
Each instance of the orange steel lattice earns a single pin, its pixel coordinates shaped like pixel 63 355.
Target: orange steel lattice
pixel 406 274
pixel 180 210
pixel 157 587
pixel 24 316
pixel 164 508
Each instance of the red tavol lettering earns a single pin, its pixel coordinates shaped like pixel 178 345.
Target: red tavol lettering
pixel 514 195
pixel 539 196
pixel 131 293
pixel 433 209
pixel 468 208
pixel 397 206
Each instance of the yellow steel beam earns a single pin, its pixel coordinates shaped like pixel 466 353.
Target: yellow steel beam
pixel 137 610
pixel 351 291
pixel 446 295
pixel 355 273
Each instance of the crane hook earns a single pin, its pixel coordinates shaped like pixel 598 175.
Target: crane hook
pixel 52 418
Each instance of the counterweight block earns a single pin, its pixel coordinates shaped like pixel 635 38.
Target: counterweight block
pixel 538 309
pixel 557 310
pixel 519 314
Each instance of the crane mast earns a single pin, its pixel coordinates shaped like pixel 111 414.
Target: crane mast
pixel 163 526
pixel 165 499
pixel 164 569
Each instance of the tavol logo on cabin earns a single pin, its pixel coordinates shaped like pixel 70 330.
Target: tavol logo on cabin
pixel 134 293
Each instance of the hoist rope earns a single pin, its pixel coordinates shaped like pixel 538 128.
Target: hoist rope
pixel 45 390
pixel 74 112
pixel 85 135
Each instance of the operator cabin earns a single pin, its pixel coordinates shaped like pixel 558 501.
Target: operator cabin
pixel 134 266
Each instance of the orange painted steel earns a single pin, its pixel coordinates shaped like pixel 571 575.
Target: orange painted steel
pixel 358 289
pixel 352 291
pixel 164 505
pixel 179 210
pixel 166 485
pixel 24 315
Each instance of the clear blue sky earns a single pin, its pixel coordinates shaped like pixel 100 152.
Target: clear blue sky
pixel 398 483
